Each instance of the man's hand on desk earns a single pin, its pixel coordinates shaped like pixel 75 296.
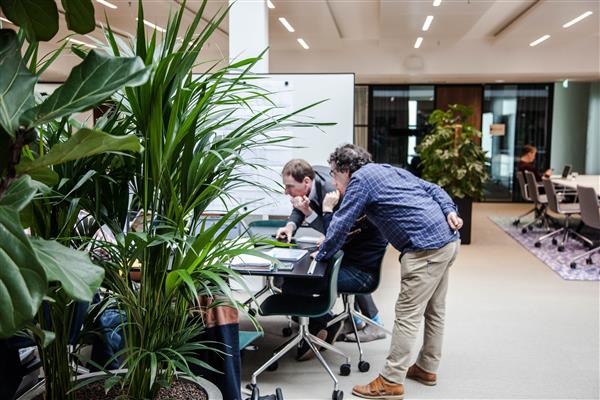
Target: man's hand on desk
pixel 314 254
pixel 285 233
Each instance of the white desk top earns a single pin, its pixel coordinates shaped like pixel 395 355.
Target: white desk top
pixel 583 180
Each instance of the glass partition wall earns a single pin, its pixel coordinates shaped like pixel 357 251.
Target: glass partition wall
pixel 525 110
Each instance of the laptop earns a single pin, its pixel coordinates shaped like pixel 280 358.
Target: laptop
pixel 566 171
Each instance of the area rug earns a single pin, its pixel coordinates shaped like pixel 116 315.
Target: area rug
pixel 558 261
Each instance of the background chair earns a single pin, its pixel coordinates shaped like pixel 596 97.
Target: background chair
pixel 350 312
pixel 539 200
pixel 590 216
pixel 305 307
pixel 566 209
pixel 525 195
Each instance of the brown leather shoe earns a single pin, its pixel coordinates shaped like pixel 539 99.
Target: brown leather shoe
pixel 379 389
pixel 420 375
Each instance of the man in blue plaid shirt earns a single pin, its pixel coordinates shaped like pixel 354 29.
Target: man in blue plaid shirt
pixel 419 219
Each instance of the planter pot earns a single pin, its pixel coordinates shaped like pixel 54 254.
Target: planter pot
pixel 465 210
pixel 211 390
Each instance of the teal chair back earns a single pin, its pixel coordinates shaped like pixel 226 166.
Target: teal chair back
pixel 270 223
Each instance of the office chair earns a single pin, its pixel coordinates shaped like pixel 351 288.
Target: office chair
pixel 590 215
pixel 566 209
pixel 525 195
pixel 305 307
pixel 539 200
pixel 350 312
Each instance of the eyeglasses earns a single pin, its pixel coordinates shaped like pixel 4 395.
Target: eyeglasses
pixel 332 173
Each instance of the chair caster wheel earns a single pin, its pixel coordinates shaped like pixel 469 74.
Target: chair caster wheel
pixel 573 265
pixel 524 230
pixel 273 367
pixel 337 395
pixel 516 222
pixel 286 332
pixel 363 366
pixel 345 369
pixel 554 242
pixel 588 260
pixel 530 227
pixel 561 248
pixel 537 244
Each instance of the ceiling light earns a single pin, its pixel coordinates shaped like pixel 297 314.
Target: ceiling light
pixel 565 83
pixel 91 46
pixel 576 20
pixel 418 42
pixel 270 4
pixel 153 26
pixel 436 3
pixel 106 3
pixel 427 23
pixel 303 43
pixel 499 80
pixel 287 25
pixel 538 41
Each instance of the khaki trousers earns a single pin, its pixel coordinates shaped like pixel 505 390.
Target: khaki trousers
pixel 424 283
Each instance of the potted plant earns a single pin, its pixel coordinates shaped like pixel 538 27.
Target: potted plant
pixel 452 157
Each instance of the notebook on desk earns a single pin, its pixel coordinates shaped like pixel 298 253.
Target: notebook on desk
pixel 286 254
pixel 251 263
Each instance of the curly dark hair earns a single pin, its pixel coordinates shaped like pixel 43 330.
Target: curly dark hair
pixel 349 158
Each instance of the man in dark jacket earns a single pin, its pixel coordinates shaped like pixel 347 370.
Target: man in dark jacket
pixel 363 250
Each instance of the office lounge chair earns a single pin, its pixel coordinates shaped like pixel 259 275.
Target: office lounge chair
pixel 350 312
pixel 590 216
pixel 539 200
pixel 566 209
pixel 525 195
pixel 304 308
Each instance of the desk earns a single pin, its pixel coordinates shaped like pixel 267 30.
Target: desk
pixel 582 180
pixel 300 270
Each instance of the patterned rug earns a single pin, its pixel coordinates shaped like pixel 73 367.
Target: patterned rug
pixel 558 261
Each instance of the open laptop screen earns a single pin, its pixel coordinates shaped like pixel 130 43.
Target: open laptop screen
pixel 566 171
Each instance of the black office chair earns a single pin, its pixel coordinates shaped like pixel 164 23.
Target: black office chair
pixel 590 216
pixel 305 307
pixel 525 195
pixel 350 312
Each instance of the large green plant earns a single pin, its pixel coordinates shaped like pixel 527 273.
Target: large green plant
pixel 37 146
pixel 194 141
pixel 451 154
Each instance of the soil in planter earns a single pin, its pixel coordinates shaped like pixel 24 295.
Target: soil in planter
pixel 180 390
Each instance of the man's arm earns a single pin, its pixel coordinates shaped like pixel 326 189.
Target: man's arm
pixel 353 205
pixel 439 195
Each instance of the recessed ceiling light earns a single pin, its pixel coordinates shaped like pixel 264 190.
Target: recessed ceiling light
pixel 565 83
pixel 538 41
pixel 106 3
pixel 303 43
pixel 427 23
pixel 287 25
pixel 576 20
pixel 499 80
pixel 153 26
pixel 270 4
pixel 82 43
pixel 418 42
pixel 436 3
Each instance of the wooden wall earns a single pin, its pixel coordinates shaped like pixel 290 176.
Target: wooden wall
pixel 469 95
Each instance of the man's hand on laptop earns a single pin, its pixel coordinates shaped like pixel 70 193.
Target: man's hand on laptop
pixel 285 233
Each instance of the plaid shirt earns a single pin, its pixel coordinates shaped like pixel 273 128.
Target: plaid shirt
pixel 410 212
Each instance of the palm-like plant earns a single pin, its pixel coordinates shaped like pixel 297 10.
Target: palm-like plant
pixel 194 140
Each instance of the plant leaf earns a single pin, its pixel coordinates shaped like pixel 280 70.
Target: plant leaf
pixel 16 82
pixel 73 269
pixel 19 193
pixel 95 79
pixel 39 18
pixel 79 15
pixel 22 278
pixel 86 142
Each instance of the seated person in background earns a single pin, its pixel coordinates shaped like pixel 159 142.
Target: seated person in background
pixel 363 252
pixel 526 163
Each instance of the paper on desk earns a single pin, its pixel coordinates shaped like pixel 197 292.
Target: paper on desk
pixel 248 260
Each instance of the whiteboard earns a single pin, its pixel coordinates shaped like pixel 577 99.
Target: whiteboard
pixel 292 92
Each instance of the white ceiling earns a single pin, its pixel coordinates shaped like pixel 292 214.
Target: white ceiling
pixel 469 40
